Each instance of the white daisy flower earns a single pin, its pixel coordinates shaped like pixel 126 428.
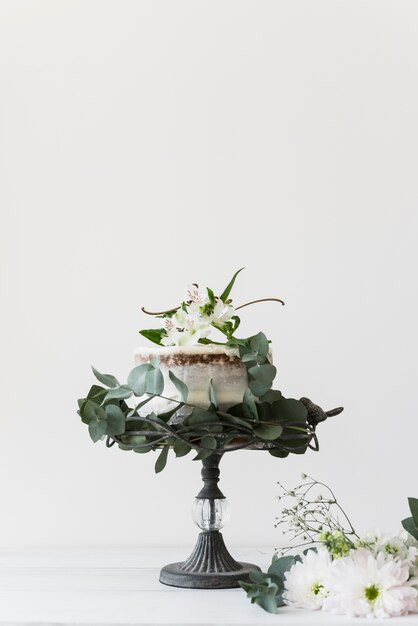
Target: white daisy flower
pixel 304 583
pixel 366 585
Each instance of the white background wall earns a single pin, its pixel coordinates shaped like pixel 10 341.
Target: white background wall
pixel 145 145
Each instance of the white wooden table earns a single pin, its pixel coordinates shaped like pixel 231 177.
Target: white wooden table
pixel 120 587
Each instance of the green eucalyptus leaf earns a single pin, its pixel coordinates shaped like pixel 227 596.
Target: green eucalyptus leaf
pixel 137 378
pixel 235 421
pixel 410 527
pixel 212 395
pixel 272 396
pixel 265 593
pixel 154 334
pixel 97 429
pixel 269 432
pixel 280 565
pixel 179 385
pixel 289 411
pixel 258 388
pixel 413 506
pixel 224 295
pixel 142 403
pixel 250 359
pixel 208 446
pixel 119 393
pixel 209 442
pixel 154 381
pixel 94 412
pixel 249 406
pixel 264 373
pixel 97 394
pixel 115 420
pixel 165 417
pixel 181 448
pixel 106 379
pixel 260 345
pixel 162 460
pixel 200 416
pixel 277 452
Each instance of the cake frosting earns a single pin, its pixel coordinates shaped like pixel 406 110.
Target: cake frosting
pixel 196 366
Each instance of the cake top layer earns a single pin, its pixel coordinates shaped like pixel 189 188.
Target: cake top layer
pixel 181 355
pixel 199 349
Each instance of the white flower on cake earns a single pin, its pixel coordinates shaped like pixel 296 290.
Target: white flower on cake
pixel 305 582
pixel 222 313
pixel 183 329
pixel 365 585
pixel 195 319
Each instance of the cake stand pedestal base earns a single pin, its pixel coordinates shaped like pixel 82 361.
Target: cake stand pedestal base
pixel 210 566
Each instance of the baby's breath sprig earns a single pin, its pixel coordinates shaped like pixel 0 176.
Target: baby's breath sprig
pixel 314 517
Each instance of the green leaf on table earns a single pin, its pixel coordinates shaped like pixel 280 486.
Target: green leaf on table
pixel 106 379
pixel 224 295
pixel 119 393
pixel 268 432
pixel 154 334
pixel 162 460
pixel 280 565
pixel 154 381
pixel 179 385
pixel 264 592
pixel 137 378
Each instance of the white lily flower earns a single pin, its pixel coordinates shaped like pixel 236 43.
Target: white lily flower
pixel 222 312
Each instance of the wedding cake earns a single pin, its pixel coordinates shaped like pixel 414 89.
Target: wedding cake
pixel 197 366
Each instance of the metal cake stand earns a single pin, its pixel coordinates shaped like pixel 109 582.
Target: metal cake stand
pixel 210 565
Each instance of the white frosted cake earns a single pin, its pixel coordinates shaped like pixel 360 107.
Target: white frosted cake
pixel 196 366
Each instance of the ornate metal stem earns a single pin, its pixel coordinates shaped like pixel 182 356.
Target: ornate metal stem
pixel 210 565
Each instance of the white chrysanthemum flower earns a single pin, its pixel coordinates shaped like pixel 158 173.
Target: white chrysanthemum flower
pixel 304 583
pixel 366 585
pixel 370 539
pixel 396 546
